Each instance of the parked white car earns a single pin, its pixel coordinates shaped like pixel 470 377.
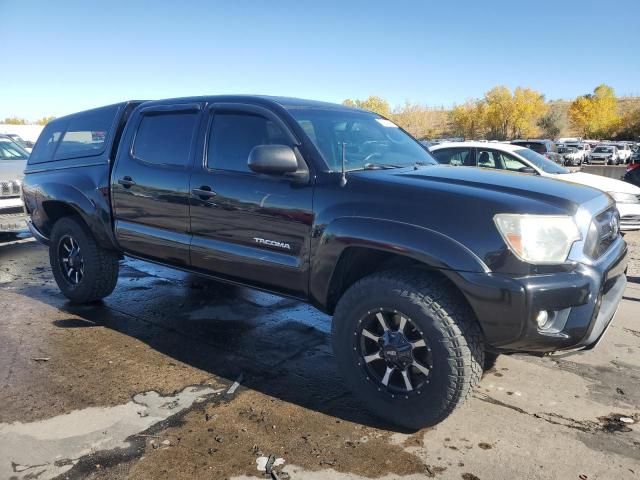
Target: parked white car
pixel 581 153
pixel 624 152
pixel 513 158
pixel 13 160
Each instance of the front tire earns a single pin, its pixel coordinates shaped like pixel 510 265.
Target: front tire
pixel 431 351
pixel 84 271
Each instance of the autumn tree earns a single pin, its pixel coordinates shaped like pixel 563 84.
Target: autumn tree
pixel 371 103
pixel 527 109
pixel 468 120
pixel 596 114
pixel 44 120
pixel 14 121
pixel 629 127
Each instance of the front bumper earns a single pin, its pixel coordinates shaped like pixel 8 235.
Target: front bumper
pixel 13 217
pixel 629 216
pixel 585 300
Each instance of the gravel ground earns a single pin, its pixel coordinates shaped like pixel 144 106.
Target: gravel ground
pixel 633 240
pixel 174 378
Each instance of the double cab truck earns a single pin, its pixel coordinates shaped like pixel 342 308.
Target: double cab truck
pixel 425 268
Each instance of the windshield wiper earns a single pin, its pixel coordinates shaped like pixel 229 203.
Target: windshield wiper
pixel 381 166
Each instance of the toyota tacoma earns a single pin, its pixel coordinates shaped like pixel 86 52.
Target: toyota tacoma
pixel 425 268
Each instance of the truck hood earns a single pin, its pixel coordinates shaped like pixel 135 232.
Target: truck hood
pixel 493 185
pixel 605 184
pixel 12 169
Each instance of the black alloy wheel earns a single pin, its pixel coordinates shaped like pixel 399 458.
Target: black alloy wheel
pixel 394 352
pixel 71 260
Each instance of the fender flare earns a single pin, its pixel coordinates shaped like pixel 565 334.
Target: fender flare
pixel 429 247
pixel 92 208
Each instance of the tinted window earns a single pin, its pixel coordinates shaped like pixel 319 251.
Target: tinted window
pixel 233 136
pixel 47 142
pixel 86 133
pixel 165 138
pixel 453 156
pixel 536 147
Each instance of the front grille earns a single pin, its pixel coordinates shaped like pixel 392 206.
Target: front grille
pixel 9 189
pixel 604 230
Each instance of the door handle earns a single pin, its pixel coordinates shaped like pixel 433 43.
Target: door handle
pixel 203 192
pixel 126 182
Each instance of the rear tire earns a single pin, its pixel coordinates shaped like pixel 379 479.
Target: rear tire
pixel 84 271
pixel 436 312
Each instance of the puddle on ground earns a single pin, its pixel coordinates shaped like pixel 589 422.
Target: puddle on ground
pixel 51 447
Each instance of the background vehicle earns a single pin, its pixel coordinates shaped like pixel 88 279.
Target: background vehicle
pixel 13 160
pixel 515 159
pixel 28 146
pixel 605 155
pixel 546 148
pixel 318 202
pixel 632 174
pixel 571 156
pixel 580 154
pixel 624 152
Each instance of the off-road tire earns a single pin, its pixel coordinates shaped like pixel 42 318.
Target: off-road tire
pixel 100 265
pixel 446 320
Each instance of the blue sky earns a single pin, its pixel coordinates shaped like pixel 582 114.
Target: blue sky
pixel 70 55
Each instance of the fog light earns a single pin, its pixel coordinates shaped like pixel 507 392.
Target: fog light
pixel 542 318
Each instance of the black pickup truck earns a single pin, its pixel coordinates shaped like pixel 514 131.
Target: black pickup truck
pixel 424 267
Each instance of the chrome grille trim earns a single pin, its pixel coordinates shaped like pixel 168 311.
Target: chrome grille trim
pixel 10 189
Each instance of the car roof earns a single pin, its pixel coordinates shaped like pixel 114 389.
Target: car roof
pixel 505 147
pixel 286 102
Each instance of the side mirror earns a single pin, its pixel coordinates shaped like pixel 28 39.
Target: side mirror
pixel 273 159
pixel 527 170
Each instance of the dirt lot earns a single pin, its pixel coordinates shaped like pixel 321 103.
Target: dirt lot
pixel 172 377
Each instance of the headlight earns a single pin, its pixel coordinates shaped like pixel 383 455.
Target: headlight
pixel 620 197
pixel 538 239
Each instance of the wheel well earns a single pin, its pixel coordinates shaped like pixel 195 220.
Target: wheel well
pixel 55 210
pixel 358 262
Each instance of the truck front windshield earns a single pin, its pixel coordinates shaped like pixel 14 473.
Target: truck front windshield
pixel 366 139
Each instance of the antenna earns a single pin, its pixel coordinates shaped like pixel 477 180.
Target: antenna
pixel 343 178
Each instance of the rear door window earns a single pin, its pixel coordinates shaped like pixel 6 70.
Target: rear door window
pixel 86 133
pixel 165 138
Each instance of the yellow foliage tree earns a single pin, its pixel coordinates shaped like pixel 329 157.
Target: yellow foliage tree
pixel 595 115
pixel 371 103
pixel 14 121
pixel 468 120
pixel 44 120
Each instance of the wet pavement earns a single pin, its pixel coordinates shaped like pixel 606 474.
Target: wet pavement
pixel 174 377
